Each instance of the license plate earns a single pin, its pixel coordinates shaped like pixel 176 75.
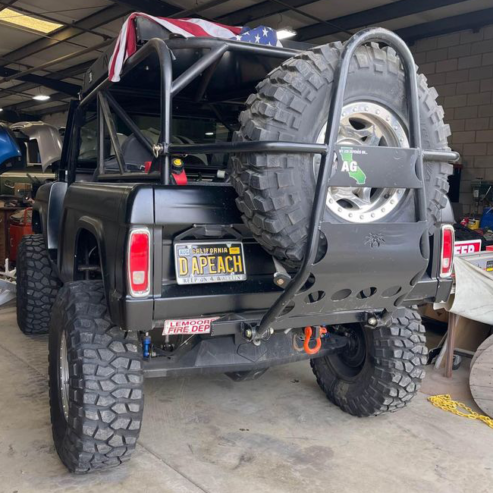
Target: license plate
pixel 208 262
pixel 190 326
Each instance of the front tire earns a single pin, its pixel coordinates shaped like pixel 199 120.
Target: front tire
pixel 37 285
pixel 382 369
pixel 96 381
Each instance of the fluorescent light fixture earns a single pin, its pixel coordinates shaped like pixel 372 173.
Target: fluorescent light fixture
pixel 10 16
pixel 209 134
pixel 285 33
pixel 1 109
pixel 41 97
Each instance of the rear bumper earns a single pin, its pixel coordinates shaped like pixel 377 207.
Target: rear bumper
pixel 430 291
pixel 240 307
pixel 229 354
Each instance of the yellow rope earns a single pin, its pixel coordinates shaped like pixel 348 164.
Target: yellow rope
pixel 446 403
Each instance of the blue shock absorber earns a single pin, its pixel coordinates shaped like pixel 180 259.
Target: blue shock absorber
pixel 146 345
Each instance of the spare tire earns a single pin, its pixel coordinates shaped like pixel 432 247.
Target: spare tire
pixel 275 190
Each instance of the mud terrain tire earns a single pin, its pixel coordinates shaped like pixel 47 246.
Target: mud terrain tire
pixel 37 285
pixel 96 417
pixel 275 191
pixel 390 372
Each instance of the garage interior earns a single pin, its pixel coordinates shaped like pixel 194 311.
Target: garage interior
pixel 207 433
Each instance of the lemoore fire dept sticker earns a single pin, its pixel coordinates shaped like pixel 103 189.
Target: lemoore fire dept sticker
pixel 191 326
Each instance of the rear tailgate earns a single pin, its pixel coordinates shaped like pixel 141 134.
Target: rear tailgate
pixel 206 213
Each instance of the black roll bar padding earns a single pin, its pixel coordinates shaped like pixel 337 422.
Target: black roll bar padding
pixel 101 129
pixel 280 146
pixel 62 174
pixel 238 46
pixel 154 46
pixel 122 114
pixel 240 147
pixel 159 47
pixel 197 68
pixel 110 125
pixel 205 80
pixel 74 146
pixel 378 35
pixel 165 62
pixel 217 47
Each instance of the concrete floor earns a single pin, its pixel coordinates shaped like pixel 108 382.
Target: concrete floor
pixel 277 434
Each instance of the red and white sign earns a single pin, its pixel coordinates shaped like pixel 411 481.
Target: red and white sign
pixel 192 326
pixel 467 247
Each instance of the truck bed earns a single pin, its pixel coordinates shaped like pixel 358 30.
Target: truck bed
pixel 108 211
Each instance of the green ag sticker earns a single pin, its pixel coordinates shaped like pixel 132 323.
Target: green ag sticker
pixel 350 165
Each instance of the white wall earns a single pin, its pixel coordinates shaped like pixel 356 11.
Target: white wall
pixel 460 66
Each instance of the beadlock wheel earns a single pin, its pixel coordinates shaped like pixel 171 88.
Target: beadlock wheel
pixel 64 374
pixel 365 124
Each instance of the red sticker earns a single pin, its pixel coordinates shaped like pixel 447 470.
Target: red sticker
pixel 191 326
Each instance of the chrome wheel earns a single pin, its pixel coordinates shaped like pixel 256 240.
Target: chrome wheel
pixel 365 124
pixel 64 375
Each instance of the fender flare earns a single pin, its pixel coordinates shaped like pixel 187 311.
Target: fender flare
pixel 95 227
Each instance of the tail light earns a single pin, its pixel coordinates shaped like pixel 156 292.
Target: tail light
pixel 447 251
pixel 139 262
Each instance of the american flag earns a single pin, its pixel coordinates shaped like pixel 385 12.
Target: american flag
pixel 261 35
pixel 126 43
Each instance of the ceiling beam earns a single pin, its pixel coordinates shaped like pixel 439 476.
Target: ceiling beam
pixel 370 17
pixel 152 7
pixel 6 3
pixel 63 74
pixel 63 34
pixel 261 10
pixel 160 8
pixel 200 8
pixel 56 61
pixel 57 85
pixel 91 22
pixel 32 103
pixel 73 70
pixel 14 117
pixel 471 20
pixel 53 109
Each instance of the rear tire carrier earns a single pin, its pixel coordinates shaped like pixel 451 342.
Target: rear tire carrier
pixel 275 190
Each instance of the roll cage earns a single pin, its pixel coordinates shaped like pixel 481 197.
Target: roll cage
pixel 200 72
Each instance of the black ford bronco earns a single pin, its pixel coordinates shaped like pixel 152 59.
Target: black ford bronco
pixel 227 207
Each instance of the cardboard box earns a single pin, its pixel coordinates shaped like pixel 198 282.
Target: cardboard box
pixel 440 315
pixel 470 334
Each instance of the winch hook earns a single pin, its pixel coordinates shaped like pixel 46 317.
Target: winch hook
pixel 319 331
